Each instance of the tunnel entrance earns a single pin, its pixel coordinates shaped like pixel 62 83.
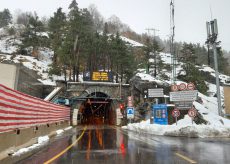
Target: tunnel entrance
pixel 97 109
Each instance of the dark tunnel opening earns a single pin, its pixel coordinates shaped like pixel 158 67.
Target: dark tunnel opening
pixel 97 109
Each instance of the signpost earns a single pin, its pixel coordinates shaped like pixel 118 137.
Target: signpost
pixel 182 86
pixel 156 92
pixel 183 105
pixel 175 114
pixel 184 95
pixel 190 86
pixel 160 114
pixel 192 113
pixel 130 112
pixel 174 88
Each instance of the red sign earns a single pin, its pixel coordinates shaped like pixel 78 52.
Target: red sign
pixel 192 112
pixel 174 87
pixel 182 86
pixel 130 101
pixel 175 113
pixel 190 86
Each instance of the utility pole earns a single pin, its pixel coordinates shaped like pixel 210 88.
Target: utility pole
pixel 172 48
pixel 155 55
pixel 212 33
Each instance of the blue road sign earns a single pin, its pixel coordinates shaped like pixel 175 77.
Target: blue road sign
pixel 160 114
pixel 130 112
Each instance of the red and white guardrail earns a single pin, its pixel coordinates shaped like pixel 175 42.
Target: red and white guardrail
pixel 19 110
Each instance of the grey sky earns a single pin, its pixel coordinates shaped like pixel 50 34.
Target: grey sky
pixel 190 15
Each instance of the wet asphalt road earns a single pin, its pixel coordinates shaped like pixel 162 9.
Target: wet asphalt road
pixel 112 145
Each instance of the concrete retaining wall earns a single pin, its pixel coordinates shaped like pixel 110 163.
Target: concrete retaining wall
pixel 14 140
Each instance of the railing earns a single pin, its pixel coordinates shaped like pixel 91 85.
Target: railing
pixel 19 110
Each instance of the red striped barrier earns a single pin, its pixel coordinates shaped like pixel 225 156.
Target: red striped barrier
pixel 19 110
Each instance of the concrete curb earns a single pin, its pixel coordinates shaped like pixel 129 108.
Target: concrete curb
pixel 5 156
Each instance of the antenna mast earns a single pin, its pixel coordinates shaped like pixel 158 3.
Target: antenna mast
pixel 172 35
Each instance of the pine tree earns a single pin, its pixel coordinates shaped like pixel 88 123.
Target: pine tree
pixel 5 18
pixel 152 49
pixel 57 25
pixel 32 35
pixel 192 73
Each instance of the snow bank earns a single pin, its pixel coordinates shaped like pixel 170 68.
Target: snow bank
pixel 59 131
pixel 184 128
pixel 41 141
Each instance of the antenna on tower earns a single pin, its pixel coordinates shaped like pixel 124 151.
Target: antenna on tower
pixel 172 35
pixel 210 7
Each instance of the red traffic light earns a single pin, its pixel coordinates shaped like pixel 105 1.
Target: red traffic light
pixel 122 106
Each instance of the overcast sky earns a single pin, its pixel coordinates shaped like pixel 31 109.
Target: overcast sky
pixel 190 15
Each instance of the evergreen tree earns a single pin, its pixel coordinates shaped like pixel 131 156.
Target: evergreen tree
pixel 33 34
pixel 192 74
pixel 187 54
pixel 152 49
pixel 57 25
pixel 5 18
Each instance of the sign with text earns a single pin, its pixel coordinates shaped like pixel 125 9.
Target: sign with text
pixel 156 92
pixel 184 95
pixel 160 114
pixel 100 76
pixel 183 105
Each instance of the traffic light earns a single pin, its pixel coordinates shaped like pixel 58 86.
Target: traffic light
pixel 122 106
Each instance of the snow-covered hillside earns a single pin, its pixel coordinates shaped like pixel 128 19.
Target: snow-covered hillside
pixel 217 126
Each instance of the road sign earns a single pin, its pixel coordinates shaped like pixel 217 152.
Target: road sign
pixel 175 113
pixel 160 114
pixel 184 95
pixel 145 94
pixel 183 105
pixel 130 112
pixel 192 112
pixel 190 86
pixel 130 101
pixel 156 92
pixel 174 87
pixel 182 86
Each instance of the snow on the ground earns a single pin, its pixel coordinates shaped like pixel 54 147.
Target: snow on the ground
pixel 223 78
pixel 60 131
pixel 217 126
pixel 68 128
pixel 41 67
pixel 147 77
pixel 9 44
pixel 41 141
pixel 131 42
pixel 184 127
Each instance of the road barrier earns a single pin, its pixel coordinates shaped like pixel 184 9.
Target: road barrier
pixel 19 110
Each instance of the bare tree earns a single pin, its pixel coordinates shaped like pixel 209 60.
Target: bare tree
pixel 98 19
